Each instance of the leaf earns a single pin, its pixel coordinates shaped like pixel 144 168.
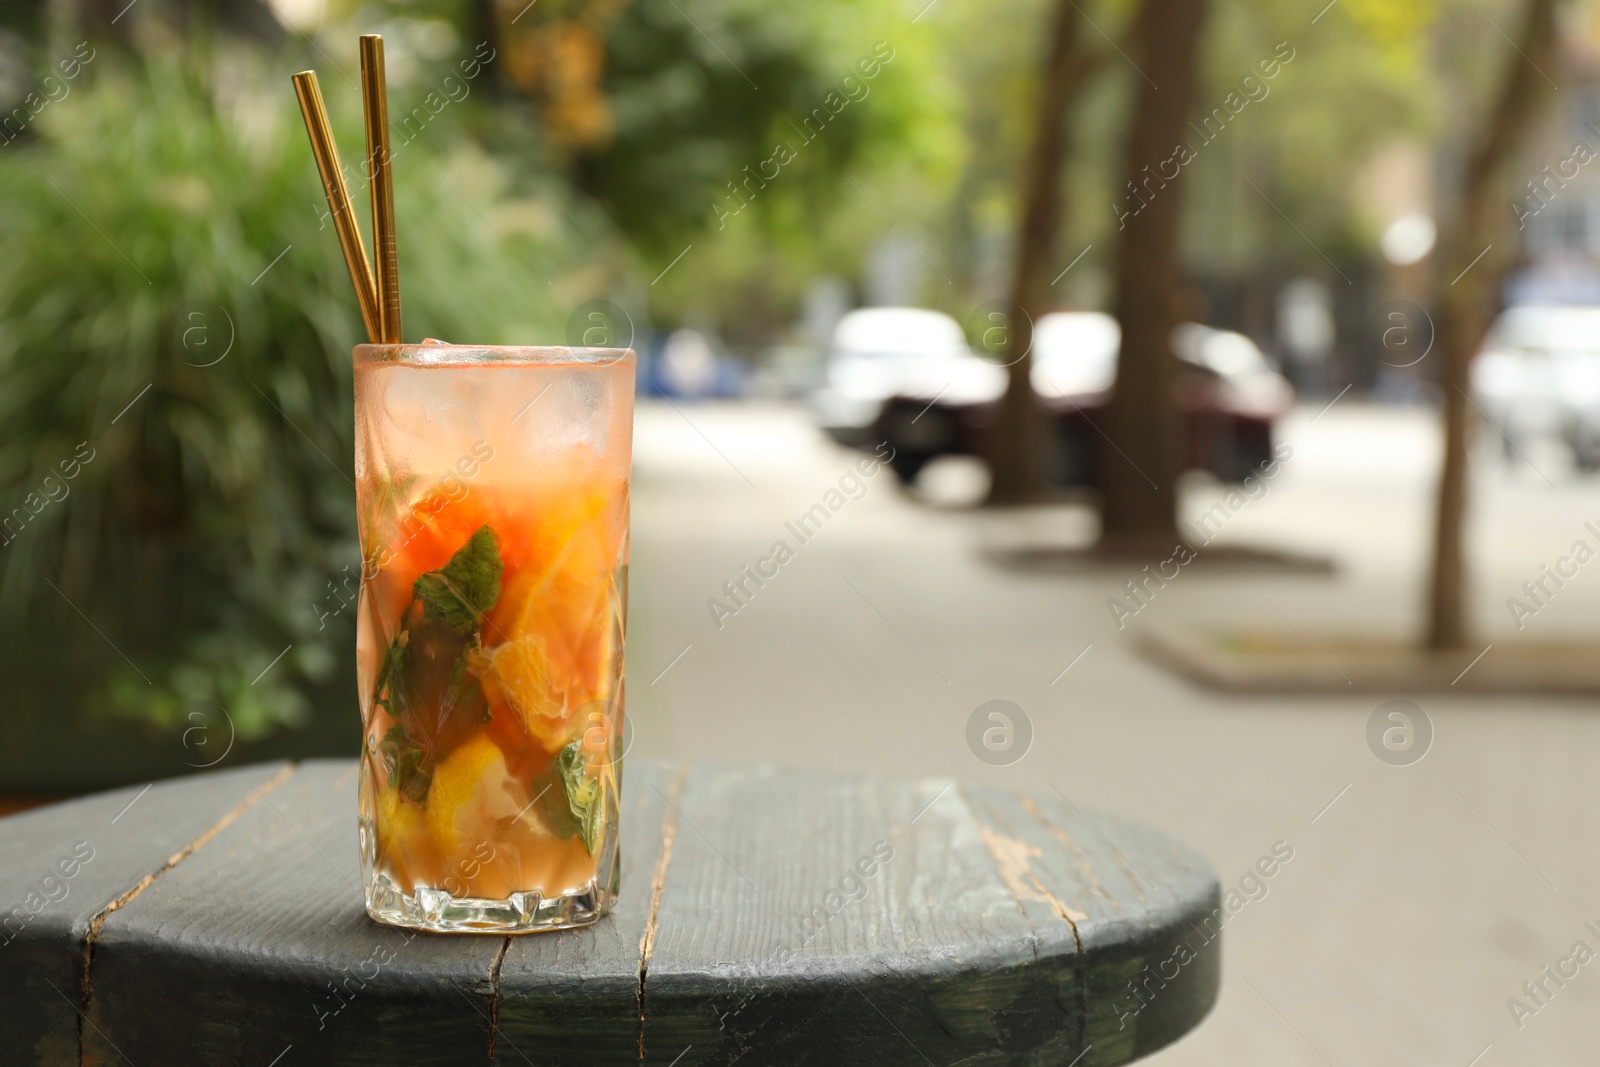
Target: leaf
pixel 403 760
pixel 425 679
pixel 549 795
pixel 466 691
pixel 394 663
pixel 463 590
pixel 585 797
pixel 434 691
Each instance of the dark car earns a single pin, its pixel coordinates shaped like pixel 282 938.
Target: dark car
pixel 1228 395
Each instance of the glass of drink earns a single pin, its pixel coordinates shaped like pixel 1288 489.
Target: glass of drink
pixel 492 484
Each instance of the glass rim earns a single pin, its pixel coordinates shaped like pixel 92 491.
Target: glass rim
pixel 447 355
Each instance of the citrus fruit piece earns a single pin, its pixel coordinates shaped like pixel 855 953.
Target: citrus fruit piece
pixel 519 675
pixel 563 594
pixel 472 793
pixel 404 845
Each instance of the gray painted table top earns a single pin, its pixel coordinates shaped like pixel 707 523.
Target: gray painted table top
pixel 767 917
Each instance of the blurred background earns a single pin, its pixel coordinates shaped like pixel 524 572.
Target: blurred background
pixel 1234 369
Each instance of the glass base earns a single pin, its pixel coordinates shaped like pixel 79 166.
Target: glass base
pixel 437 911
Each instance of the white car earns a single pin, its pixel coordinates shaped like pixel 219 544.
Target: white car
pixel 1537 374
pixel 1075 353
pixel 877 353
pixel 1227 393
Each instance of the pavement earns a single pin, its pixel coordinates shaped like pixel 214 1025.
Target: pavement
pixel 1422 894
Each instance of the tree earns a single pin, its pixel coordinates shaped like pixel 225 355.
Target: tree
pixel 1140 472
pixel 1017 441
pixel 684 130
pixel 1465 299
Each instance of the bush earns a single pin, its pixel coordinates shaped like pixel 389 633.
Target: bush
pixel 175 332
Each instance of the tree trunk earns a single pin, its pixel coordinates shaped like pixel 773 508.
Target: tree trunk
pixel 1016 446
pixel 1466 295
pixel 1139 467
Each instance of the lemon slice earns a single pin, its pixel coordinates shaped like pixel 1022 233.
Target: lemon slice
pixel 403 841
pixel 472 796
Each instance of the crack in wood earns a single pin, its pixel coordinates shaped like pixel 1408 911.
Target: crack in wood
pixel 983 832
pixel 494 994
pixel 1061 835
pixel 1010 856
pixel 98 921
pixel 647 942
pixel 1032 808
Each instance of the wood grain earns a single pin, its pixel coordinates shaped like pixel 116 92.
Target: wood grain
pixel 767 917
pixel 260 941
pixel 1132 895
pixel 129 835
pixel 773 944
pixel 575 999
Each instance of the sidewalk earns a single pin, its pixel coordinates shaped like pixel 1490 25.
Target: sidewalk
pixel 1419 897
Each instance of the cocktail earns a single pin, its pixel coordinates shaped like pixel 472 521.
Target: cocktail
pixel 492 497
pixel 492 487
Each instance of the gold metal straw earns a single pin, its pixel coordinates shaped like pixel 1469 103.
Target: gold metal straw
pixel 344 219
pixel 375 99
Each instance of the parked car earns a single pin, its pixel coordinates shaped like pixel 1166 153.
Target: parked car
pixel 690 365
pixel 1227 392
pixel 878 353
pixel 1537 374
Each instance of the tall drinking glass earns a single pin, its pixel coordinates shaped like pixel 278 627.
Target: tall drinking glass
pixel 492 484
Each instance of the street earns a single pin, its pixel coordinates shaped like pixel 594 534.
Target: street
pixel 1419 898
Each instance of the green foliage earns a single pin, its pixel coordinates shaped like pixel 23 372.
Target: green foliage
pixel 712 99
pixel 1358 81
pixel 172 296
pixel 1398 28
pixel 585 798
pixel 695 106
pixel 466 588
pixel 994 55
pixel 695 141
pixel 700 94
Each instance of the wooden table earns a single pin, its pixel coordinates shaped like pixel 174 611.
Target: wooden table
pixel 767 917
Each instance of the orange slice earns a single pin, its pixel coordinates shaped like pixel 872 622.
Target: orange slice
pixel 562 595
pixel 520 675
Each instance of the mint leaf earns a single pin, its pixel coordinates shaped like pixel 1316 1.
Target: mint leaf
pixel 465 690
pixel 584 795
pixel 463 590
pixel 424 678
pixel 549 794
pixel 394 662
pixel 404 762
